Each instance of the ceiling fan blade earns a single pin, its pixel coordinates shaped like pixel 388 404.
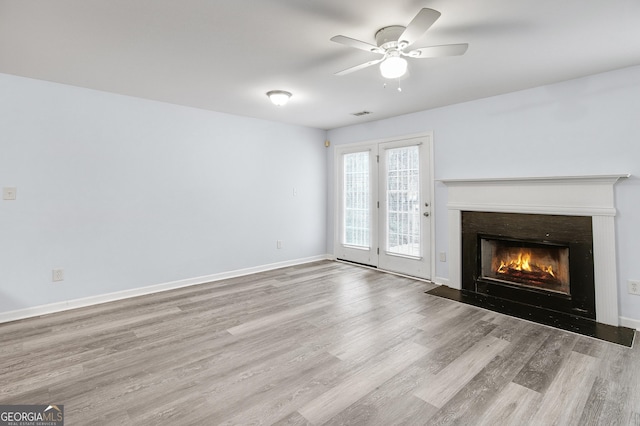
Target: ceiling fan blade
pixel 438 51
pixel 352 42
pixel 418 26
pixel 359 67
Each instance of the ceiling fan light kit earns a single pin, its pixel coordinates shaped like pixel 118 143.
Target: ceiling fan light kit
pixel 393 67
pixel 393 42
pixel 279 97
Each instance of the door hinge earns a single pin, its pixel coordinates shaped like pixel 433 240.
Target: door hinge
pixel 377 158
pixel 378 204
pixel 378 250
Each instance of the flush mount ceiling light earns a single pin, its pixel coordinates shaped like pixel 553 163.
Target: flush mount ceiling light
pixel 279 97
pixel 394 66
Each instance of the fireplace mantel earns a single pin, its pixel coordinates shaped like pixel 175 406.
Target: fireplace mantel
pixel 568 195
pixel 590 195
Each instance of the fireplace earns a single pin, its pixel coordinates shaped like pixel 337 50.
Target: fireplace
pixel 562 222
pixel 589 196
pixel 539 260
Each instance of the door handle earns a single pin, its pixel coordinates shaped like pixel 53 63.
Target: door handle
pixel 426 214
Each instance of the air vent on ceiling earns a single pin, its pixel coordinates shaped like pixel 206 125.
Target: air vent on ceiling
pixel 361 113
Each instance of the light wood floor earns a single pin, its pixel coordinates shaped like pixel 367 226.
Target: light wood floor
pixel 323 343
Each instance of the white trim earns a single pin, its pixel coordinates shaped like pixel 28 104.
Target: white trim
pixel 630 322
pixel 570 195
pixel 441 281
pixel 385 271
pixel 390 139
pixel 557 210
pixel 455 248
pixel 612 178
pixel 432 197
pixel 156 288
pixel 605 272
pixel 590 195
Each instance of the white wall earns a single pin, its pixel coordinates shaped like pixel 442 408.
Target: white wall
pixel 124 193
pixel 585 126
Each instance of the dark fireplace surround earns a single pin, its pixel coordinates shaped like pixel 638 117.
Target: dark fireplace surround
pixel 538 233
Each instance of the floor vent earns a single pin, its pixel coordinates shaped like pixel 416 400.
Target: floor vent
pixel 361 113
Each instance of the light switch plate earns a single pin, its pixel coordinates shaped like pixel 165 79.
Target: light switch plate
pixel 9 193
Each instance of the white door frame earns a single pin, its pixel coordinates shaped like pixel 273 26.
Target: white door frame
pixel 338 247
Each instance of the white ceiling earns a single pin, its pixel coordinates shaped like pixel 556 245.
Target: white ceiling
pixel 224 55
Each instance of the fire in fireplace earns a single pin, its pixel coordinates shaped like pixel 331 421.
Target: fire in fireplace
pixel 521 263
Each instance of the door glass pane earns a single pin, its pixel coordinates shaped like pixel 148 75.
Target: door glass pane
pixel 357 217
pixel 403 201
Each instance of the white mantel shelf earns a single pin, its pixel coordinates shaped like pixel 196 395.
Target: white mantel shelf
pixel 604 178
pixel 587 195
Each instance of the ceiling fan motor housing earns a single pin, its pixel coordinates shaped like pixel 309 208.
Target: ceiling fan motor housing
pixel 387 37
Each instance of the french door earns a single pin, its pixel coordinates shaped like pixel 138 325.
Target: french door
pixel 384 205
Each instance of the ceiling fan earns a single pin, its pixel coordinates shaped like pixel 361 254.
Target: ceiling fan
pixel 393 43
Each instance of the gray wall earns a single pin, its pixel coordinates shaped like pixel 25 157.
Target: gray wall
pixel 579 127
pixel 124 193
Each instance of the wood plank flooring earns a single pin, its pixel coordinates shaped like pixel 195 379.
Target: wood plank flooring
pixel 321 343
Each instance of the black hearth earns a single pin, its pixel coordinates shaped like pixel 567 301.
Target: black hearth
pixel 542 261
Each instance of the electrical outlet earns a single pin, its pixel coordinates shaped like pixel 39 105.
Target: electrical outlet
pixel 279 244
pixel 442 256
pixel 9 193
pixel 634 287
pixel 57 274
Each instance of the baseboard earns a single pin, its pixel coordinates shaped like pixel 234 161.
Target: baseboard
pixel 156 288
pixel 630 322
pixel 441 281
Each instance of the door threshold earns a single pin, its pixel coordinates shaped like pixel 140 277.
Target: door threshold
pixel 375 268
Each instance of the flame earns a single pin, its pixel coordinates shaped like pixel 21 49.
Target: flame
pixel 549 270
pixel 522 263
